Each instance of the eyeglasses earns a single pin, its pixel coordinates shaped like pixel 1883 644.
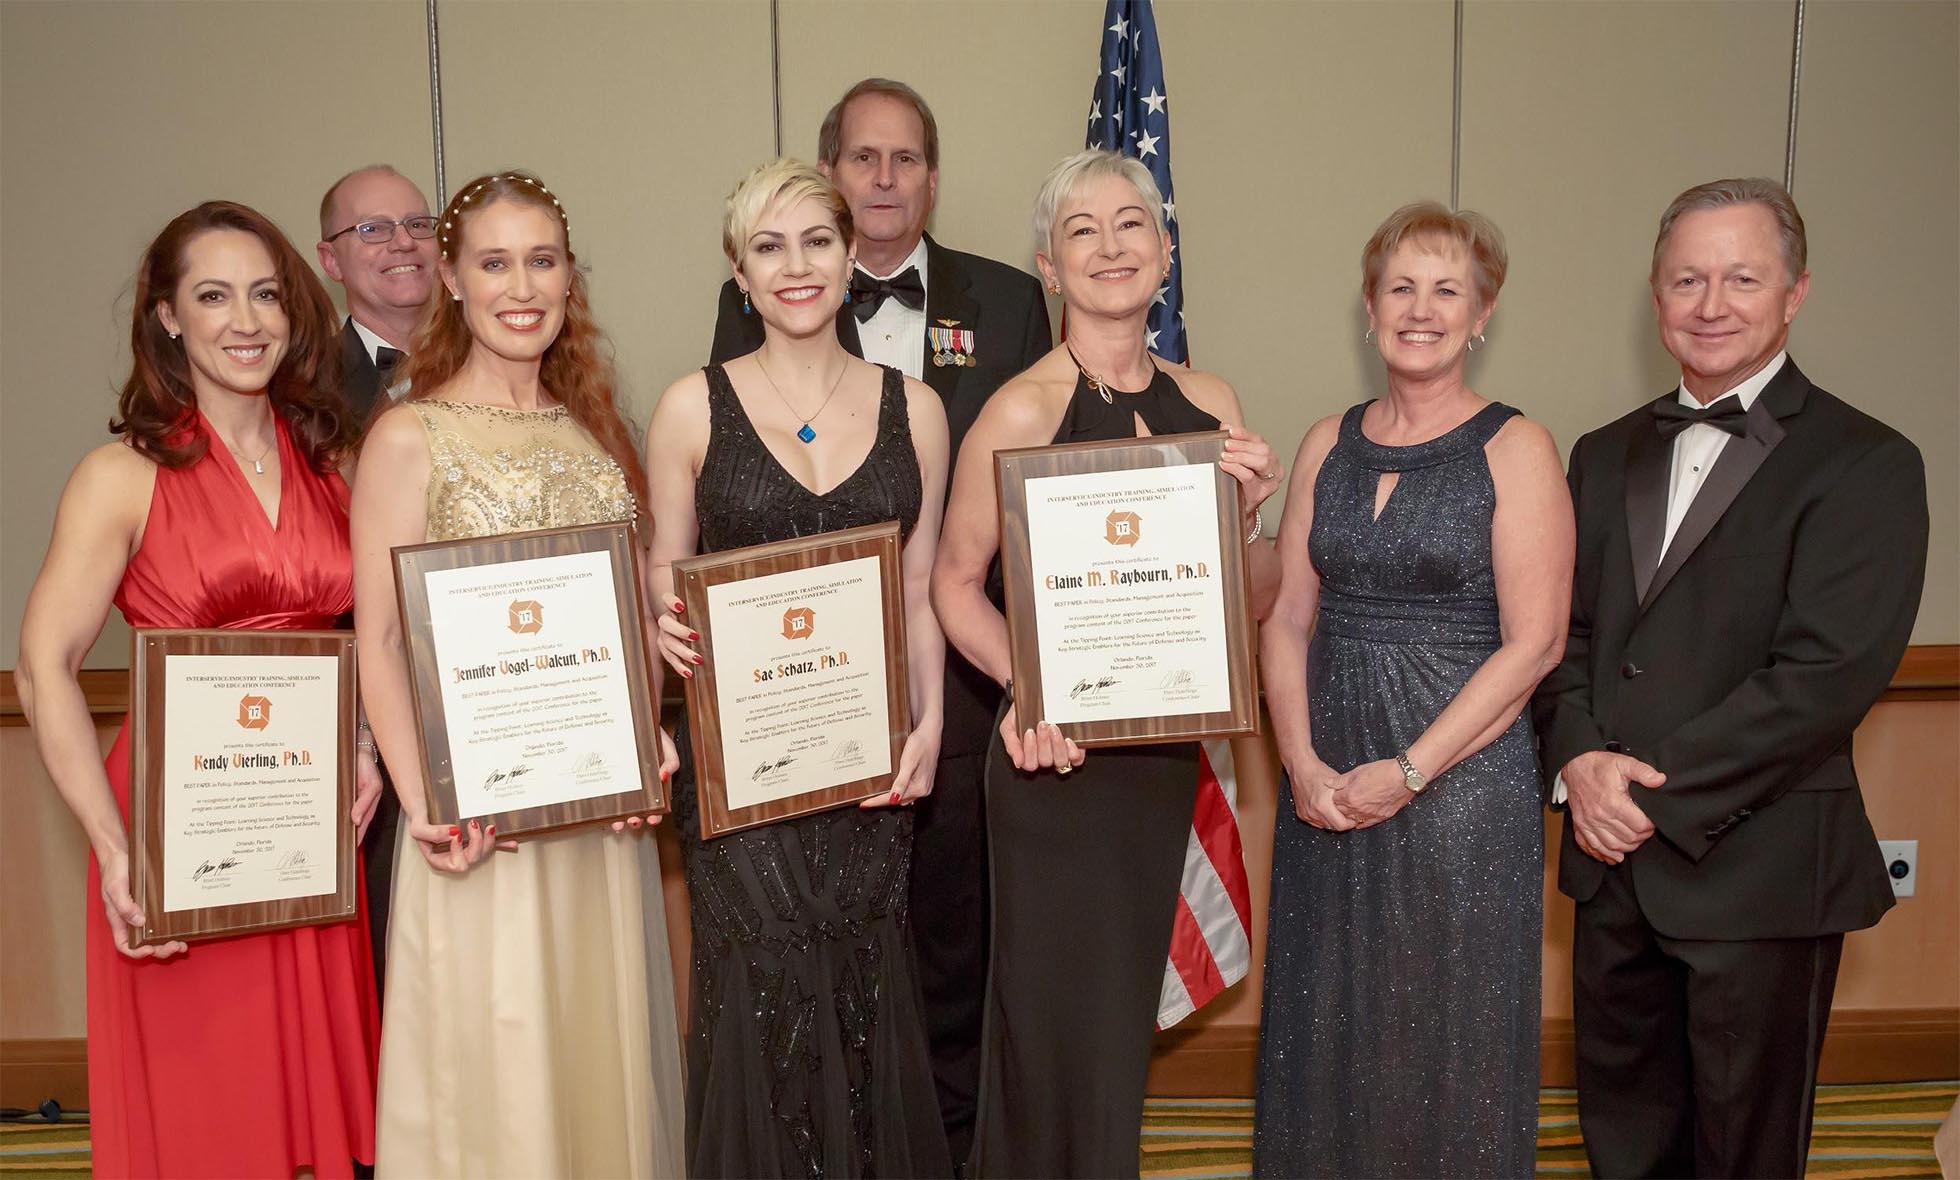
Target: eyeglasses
pixel 381 232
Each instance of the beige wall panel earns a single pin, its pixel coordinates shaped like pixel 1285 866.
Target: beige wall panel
pixel 115 118
pixel 1277 186
pixel 1299 127
pixel 46 890
pixel 1009 87
pixel 641 116
pixel 1878 180
pixel 1580 123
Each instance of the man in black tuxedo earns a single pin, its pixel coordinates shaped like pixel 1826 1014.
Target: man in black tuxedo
pixel 377 241
pixel 964 325
pixel 1751 551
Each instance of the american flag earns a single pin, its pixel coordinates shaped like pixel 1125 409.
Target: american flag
pixel 1211 941
pixel 1129 113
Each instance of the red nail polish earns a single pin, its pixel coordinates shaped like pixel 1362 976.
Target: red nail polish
pixel 454 830
pixel 698 657
pixel 687 673
pixel 678 608
pixel 896 795
pixel 693 635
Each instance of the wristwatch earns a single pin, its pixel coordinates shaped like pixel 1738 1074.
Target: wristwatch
pixel 1411 777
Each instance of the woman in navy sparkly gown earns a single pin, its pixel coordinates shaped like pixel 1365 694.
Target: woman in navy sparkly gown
pixel 1426 582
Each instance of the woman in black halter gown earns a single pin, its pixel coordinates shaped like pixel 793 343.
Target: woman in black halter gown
pixel 806 1044
pixel 1087 853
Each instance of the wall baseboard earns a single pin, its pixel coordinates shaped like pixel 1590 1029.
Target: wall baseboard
pixel 33 1071
pixel 1861 1045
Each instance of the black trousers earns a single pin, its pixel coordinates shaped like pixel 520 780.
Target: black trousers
pixel 378 870
pixel 949 934
pixel 1695 1058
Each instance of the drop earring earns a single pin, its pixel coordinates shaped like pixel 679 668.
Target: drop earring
pixel 1368 337
pixel 745 303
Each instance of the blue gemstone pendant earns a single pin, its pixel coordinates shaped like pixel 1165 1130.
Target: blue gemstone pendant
pixel 806 434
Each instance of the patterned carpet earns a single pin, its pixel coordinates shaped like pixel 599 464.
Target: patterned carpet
pixel 1876 1132
pixel 1880 1132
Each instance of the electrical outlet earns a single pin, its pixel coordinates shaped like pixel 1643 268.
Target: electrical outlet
pixel 1901 864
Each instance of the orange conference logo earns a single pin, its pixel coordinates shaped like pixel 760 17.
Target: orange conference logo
pixel 254 712
pixel 1123 528
pixel 798 622
pixel 526 617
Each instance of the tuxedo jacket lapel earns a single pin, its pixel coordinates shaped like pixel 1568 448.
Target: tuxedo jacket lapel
pixel 847 332
pixel 947 298
pixel 1648 458
pixel 1739 461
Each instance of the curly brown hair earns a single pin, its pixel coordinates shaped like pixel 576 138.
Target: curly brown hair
pixel 157 408
pixel 577 369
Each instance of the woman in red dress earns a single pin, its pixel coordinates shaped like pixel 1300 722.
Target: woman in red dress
pixel 220 506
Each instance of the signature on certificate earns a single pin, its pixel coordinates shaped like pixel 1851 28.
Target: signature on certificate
pixel 294 860
pixel 590 762
pixel 499 776
pixel 1178 678
pixel 1090 688
pixel 207 869
pixel 845 751
pixel 769 765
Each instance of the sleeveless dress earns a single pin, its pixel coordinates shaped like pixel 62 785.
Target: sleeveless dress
pixel 807 1052
pixel 253 1055
pixel 1085 885
pixel 530 1006
pixel 1399 1032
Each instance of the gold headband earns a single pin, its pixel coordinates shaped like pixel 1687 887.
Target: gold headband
pixel 442 236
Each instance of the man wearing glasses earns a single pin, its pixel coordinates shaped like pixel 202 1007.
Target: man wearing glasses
pixel 378 241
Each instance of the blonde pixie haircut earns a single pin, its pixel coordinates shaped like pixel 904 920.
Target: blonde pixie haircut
pixel 786 182
pixel 1430 225
pixel 1068 177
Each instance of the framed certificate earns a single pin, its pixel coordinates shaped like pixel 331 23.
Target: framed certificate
pixel 528 663
pixel 241 781
pixel 803 702
pixel 1125 575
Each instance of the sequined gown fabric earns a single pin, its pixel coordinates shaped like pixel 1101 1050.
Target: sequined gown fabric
pixel 254 1055
pixel 807 1047
pixel 1085 888
pixel 530 1005
pixel 1399 1032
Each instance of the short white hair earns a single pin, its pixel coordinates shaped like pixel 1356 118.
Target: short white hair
pixel 1068 177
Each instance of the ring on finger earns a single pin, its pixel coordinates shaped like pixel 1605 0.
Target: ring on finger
pixel 1064 768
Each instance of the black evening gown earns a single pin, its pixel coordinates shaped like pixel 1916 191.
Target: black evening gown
pixel 1085 884
pixel 1399 1031
pixel 807 1045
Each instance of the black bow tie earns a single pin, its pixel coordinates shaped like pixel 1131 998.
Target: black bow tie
pixel 1726 414
pixel 868 293
pixel 385 360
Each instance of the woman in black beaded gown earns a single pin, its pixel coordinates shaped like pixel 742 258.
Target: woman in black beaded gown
pixel 807 1046
pixel 1399 1031
pixel 1087 853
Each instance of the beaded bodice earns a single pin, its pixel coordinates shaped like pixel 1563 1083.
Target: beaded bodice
pixel 495 471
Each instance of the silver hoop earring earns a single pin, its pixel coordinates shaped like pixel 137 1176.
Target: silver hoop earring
pixel 1368 337
pixel 1477 342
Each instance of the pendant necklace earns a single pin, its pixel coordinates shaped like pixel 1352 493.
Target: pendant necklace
pixel 1096 384
pixel 805 435
pixel 258 464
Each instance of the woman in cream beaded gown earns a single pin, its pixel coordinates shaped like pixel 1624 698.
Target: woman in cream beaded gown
pixel 529 1018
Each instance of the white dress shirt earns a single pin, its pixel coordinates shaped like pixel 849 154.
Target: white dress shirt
pixel 895 334
pixel 1695 451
